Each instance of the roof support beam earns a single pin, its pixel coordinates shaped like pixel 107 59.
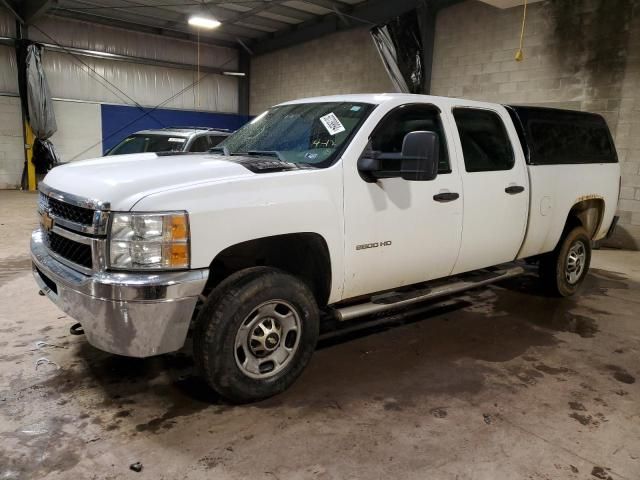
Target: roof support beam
pixel 33 9
pixel 13 10
pixel 370 13
pixel 27 11
pixel 137 60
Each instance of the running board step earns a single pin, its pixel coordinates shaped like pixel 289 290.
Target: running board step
pixel 428 291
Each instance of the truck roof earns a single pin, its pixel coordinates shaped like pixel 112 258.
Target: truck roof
pixel 374 98
pixel 380 98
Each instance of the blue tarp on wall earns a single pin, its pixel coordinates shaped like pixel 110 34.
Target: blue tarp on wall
pixel 118 121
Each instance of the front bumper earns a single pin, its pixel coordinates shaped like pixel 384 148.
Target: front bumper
pixel 131 314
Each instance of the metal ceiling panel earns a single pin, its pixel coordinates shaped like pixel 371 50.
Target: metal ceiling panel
pixel 291 12
pixel 250 21
pixel 237 7
pixel 308 7
pixel 249 24
pixel 507 3
pixel 280 18
pixel 329 4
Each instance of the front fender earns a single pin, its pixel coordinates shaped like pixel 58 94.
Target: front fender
pixel 223 214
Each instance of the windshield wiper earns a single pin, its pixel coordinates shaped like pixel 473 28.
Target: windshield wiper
pixel 223 150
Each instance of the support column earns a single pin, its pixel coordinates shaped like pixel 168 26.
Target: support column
pixel 427 21
pixel 244 66
pixel 29 172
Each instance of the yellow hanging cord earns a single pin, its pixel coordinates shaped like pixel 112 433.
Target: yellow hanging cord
pixel 519 53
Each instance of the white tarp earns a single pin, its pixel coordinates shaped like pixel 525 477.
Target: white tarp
pixel 41 116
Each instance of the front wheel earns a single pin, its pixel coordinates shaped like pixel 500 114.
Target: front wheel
pixel 563 270
pixel 255 334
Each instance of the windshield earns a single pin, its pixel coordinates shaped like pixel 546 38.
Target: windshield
pixel 140 143
pixel 309 133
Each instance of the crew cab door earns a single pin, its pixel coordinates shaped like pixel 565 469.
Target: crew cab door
pixel 495 187
pixel 400 232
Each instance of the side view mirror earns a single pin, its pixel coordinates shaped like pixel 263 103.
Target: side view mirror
pixel 420 156
pixel 417 162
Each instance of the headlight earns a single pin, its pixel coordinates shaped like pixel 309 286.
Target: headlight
pixel 143 241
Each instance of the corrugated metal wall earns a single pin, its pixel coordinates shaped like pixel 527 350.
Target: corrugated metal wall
pixel 71 77
pixel 88 82
pixel 106 81
pixel 8 71
pixel 79 78
pixel 71 33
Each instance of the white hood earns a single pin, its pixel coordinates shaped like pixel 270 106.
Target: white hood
pixel 122 180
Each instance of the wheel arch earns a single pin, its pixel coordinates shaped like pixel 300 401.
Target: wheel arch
pixel 587 213
pixel 304 254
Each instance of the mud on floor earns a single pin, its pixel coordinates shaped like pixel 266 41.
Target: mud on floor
pixel 463 365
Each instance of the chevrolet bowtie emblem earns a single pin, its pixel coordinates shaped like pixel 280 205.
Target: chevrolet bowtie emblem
pixel 46 221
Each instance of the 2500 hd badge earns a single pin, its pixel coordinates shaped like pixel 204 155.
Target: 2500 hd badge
pixel 373 245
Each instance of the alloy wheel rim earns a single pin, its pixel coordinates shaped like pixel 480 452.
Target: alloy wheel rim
pixel 267 339
pixel 576 259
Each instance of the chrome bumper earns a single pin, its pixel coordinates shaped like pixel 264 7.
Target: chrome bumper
pixel 131 314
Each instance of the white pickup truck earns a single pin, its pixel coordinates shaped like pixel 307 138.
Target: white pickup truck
pixel 344 206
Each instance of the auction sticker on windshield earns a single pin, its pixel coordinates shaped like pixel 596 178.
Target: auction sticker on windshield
pixel 332 124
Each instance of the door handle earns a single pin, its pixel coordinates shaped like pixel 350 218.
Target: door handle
pixel 446 197
pixel 513 189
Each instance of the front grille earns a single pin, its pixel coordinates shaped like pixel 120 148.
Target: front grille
pixel 68 249
pixel 70 212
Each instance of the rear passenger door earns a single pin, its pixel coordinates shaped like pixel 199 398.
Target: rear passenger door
pixel 495 188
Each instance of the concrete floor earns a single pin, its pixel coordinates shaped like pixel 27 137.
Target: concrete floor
pixel 502 383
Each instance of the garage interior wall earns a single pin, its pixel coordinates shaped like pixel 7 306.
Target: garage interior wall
pixel 80 91
pixel 583 55
pixel 11 151
pixel 344 62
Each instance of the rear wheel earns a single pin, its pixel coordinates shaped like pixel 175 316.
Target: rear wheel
pixel 563 270
pixel 255 334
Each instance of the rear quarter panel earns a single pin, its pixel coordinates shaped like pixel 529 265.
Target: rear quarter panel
pixel 555 189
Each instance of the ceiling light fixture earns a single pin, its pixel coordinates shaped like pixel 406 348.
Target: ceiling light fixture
pixel 235 74
pixel 203 22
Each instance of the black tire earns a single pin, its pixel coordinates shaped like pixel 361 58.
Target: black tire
pixel 227 310
pixel 554 271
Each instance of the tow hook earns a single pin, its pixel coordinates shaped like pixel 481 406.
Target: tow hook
pixel 76 329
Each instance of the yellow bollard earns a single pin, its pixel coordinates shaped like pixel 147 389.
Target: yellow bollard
pixel 31 169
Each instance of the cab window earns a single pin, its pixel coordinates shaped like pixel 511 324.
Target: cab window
pixel 485 144
pixel 389 134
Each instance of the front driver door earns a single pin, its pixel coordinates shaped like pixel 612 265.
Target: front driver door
pixel 400 232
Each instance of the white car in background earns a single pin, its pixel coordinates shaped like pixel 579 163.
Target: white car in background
pixel 170 139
